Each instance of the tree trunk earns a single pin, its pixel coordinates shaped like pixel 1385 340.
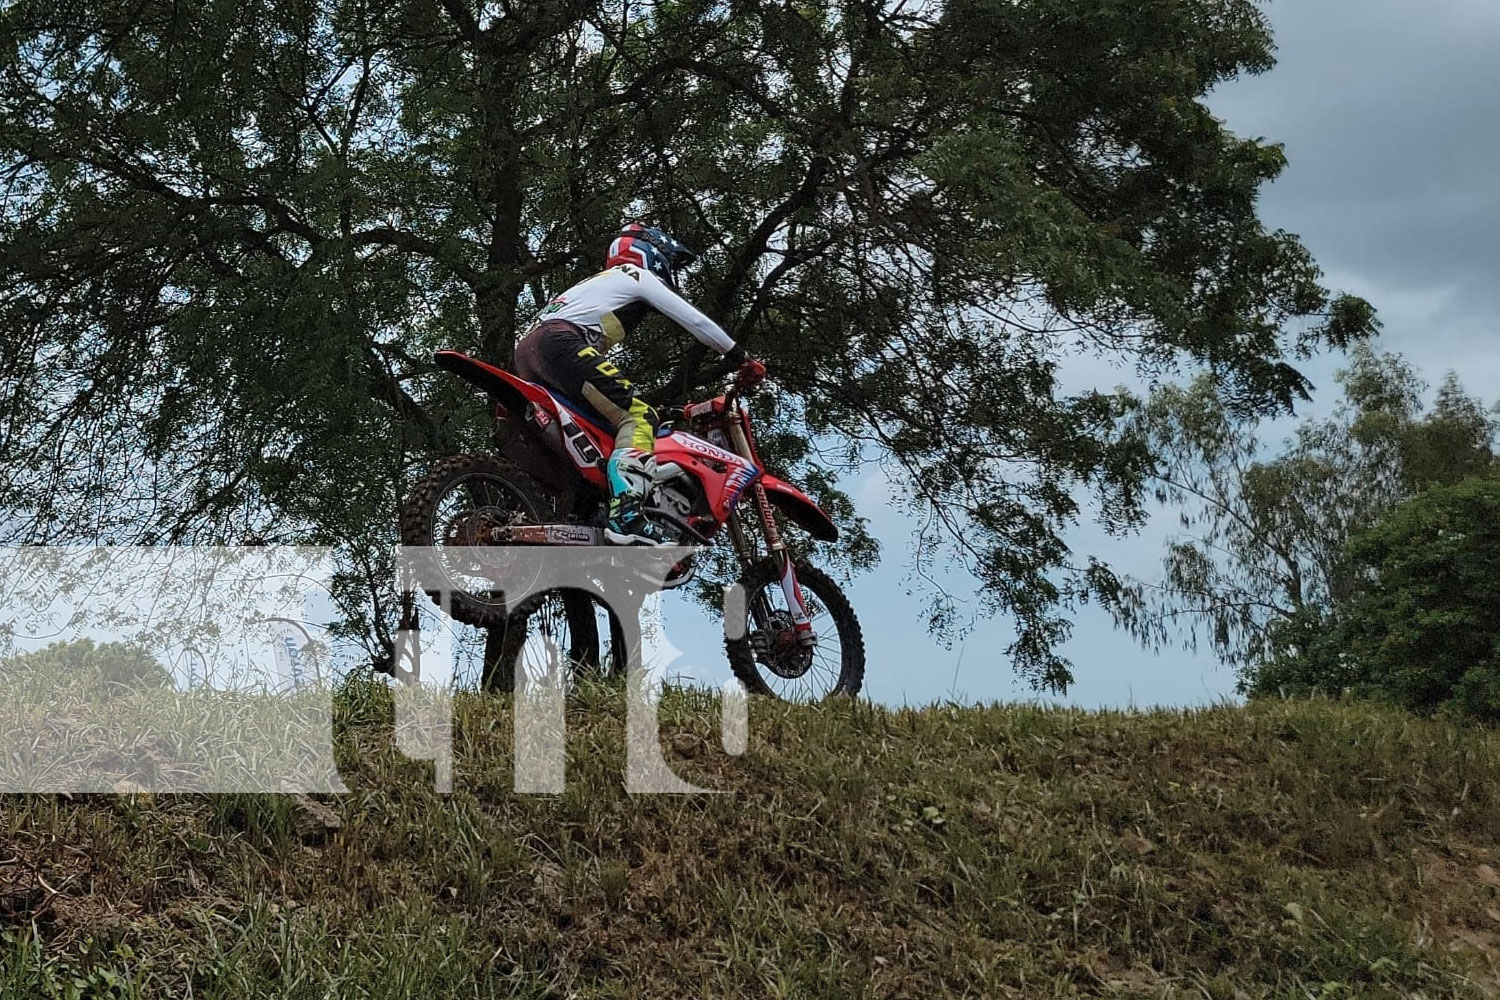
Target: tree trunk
pixel 500 286
pixel 499 674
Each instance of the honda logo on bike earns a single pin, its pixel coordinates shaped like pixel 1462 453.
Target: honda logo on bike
pixel 701 447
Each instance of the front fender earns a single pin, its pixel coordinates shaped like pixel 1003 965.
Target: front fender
pixel 799 507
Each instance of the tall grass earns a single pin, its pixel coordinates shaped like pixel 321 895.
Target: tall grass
pixel 1284 849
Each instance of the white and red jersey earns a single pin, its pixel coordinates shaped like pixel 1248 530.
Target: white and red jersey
pixel 612 303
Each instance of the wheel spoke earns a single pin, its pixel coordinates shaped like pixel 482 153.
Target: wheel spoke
pixel 463 516
pixel 816 672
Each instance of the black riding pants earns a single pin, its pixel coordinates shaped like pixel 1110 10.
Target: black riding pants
pixel 561 356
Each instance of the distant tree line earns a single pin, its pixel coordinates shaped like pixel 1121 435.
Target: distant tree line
pixel 1363 558
pixel 83 666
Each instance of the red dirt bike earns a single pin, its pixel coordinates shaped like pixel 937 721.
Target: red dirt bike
pixel 545 485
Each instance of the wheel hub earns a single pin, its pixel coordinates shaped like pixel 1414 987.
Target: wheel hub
pixel 477 527
pixel 779 648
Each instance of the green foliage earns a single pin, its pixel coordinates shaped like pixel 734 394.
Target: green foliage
pixel 104 670
pixel 233 234
pixel 1423 629
pixel 1301 660
pixel 1264 558
pixel 29 969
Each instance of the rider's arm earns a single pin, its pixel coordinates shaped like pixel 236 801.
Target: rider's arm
pixel 664 300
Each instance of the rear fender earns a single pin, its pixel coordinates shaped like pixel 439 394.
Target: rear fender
pixel 511 391
pixel 552 422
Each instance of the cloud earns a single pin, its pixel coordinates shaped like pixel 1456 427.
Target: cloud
pixel 1389 112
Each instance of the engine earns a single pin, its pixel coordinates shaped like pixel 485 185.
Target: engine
pixel 675 497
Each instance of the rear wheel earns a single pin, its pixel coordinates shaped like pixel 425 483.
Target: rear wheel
pixel 770 659
pixel 455 507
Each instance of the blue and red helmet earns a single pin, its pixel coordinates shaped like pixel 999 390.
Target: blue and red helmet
pixel 651 249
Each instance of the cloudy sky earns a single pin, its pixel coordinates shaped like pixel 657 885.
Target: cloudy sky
pixel 1390 114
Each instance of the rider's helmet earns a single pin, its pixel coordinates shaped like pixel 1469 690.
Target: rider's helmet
pixel 652 249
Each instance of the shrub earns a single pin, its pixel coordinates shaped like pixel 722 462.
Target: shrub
pixel 106 668
pixel 1423 628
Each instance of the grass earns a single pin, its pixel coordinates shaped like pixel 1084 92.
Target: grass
pixel 1285 849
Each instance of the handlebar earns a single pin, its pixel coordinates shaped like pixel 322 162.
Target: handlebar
pixel 727 399
pixel 715 373
pixel 748 383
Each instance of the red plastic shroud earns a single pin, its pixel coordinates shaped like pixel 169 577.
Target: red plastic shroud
pixel 725 476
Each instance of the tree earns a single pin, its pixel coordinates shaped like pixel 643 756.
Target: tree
pixel 233 234
pixel 1264 561
pixel 1423 627
pixel 103 669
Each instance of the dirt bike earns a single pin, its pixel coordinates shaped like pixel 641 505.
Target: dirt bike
pixel 545 485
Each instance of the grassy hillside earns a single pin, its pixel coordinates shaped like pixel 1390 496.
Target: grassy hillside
pixel 1281 850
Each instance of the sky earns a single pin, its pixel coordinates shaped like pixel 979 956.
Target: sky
pixel 1390 114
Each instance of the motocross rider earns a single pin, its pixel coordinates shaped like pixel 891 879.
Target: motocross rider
pixel 566 346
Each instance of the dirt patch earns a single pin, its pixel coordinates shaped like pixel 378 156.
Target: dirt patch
pixel 1457 907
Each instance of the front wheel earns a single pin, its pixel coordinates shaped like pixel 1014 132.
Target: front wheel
pixel 770 660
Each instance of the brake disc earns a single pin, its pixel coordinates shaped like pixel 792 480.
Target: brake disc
pixel 778 649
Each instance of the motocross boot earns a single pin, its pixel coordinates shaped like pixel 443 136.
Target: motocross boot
pixel 630 473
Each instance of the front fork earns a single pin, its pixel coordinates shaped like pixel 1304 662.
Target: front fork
pixel 760 610
pixel 800 620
